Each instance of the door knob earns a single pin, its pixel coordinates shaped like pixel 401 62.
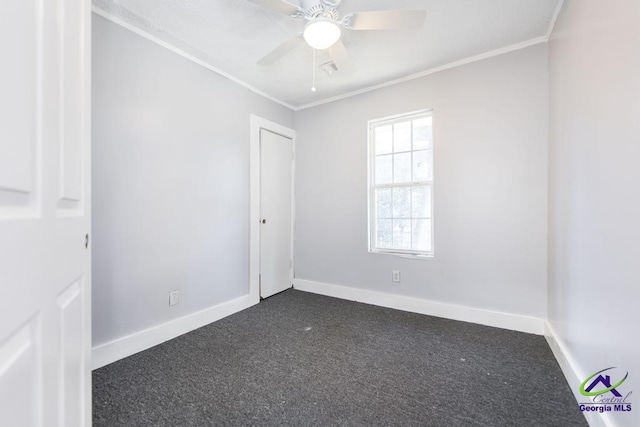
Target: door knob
pixel 264 221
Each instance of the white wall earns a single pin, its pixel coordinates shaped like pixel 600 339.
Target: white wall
pixel 491 157
pixel 170 183
pixel 594 209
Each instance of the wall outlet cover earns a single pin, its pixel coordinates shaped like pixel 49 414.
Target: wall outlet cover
pixel 174 297
pixel 395 276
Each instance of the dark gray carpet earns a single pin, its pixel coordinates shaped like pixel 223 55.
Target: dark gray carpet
pixel 299 359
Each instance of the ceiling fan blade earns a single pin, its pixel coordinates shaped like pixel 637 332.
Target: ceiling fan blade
pixel 339 55
pixel 280 51
pixel 384 20
pixel 278 5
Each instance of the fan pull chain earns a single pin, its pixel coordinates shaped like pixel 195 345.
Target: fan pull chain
pixel 313 84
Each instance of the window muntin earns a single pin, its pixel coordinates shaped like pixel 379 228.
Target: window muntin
pixel 401 184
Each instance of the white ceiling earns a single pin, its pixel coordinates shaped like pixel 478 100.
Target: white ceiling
pixel 231 35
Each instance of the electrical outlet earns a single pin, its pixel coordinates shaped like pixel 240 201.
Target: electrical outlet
pixel 395 276
pixel 174 297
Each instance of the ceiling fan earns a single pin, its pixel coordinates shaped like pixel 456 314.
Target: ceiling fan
pixel 324 23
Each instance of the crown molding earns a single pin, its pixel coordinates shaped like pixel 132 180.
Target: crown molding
pixel 433 70
pixel 108 16
pixel 554 19
pixel 490 54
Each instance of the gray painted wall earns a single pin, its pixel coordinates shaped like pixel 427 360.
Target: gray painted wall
pixel 170 183
pixel 490 136
pixel 594 208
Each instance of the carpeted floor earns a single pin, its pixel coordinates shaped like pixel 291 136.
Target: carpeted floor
pixel 299 359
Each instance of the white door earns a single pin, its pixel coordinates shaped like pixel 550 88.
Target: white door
pixel 276 166
pixel 44 213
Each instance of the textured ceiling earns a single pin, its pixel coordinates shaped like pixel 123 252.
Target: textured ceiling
pixel 231 35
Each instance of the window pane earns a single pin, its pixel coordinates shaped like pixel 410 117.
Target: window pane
pixel 402 234
pixel 383 169
pixel 383 203
pixel 421 235
pixel 384 233
pixel 402 167
pixel 421 202
pixel 422 136
pixel 422 165
pixel 383 139
pixel 402 202
pixel 402 137
pixel 401 150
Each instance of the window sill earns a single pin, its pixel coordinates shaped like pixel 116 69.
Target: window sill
pixel 404 255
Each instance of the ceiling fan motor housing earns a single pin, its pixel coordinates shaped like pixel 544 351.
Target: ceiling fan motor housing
pixel 316 8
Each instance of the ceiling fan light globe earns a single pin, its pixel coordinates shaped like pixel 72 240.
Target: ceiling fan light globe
pixel 321 34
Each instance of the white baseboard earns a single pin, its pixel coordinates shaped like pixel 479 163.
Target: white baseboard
pixel 515 322
pixel 574 376
pixel 131 344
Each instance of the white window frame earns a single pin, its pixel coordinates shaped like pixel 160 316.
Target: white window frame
pixel 372 187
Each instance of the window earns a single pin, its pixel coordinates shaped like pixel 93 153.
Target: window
pixel 401 185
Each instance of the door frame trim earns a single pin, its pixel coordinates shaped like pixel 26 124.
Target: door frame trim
pixel 256 124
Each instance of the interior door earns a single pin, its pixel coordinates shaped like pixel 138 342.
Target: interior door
pixel 276 167
pixel 44 213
